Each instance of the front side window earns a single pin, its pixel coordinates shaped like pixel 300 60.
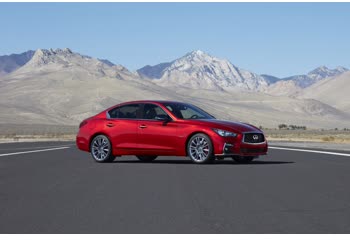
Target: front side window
pixel 187 111
pixel 151 111
pixel 127 111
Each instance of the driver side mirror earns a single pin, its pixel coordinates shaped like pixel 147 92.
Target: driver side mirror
pixel 163 117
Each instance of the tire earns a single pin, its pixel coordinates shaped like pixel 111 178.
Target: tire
pixel 200 149
pixel 101 149
pixel 146 158
pixel 240 159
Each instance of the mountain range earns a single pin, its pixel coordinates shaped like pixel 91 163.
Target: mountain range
pixel 200 70
pixel 63 87
pixel 10 63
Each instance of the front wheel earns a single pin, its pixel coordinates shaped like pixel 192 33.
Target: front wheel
pixel 146 158
pixel 101 149
pixel 200 149
pixel 241 159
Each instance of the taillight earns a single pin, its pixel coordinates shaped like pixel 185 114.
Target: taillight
pixel 83 123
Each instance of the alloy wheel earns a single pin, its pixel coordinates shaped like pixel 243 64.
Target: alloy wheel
pixel 100 148
pixel 199 149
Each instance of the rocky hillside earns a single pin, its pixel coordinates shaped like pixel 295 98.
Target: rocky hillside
pixel 199 70
pixel 63 87
pixel 10 63
pixel 333 91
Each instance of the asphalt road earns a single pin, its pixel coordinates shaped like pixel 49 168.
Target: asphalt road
pixel 65 191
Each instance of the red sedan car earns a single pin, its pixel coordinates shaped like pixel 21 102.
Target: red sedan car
pixel 149 129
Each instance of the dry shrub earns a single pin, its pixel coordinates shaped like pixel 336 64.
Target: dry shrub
pixel 328 139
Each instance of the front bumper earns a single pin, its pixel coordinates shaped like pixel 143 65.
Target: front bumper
pixel 243 149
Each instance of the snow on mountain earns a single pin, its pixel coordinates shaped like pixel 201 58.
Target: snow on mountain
pixel 199 70
pixel 10 63
pixel 316 75
pixel 324 72
pixel 293 85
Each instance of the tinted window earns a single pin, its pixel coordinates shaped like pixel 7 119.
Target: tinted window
pixel 151 111
pixel 126 111
pixel 187 111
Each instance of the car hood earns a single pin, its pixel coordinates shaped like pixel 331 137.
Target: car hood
pixel 236 126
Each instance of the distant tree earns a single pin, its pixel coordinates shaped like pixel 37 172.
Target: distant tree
pixel 282 126
pixel 291 127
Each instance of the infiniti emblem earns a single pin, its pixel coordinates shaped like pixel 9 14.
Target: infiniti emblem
pixel 255 137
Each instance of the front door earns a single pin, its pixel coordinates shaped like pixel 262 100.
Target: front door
pixel 157 135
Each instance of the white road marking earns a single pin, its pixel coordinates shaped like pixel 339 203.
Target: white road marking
pixel 34 151
pixel 40 147
pixel 311 151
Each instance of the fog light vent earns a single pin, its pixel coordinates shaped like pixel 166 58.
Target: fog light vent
pixel 227 147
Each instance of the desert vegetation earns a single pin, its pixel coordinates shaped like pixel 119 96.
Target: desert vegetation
pixel 291 127
pixel 310 135
pixel 36 132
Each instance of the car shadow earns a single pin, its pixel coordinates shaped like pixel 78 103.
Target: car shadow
pixel 220 162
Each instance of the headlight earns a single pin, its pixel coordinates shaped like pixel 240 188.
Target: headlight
pixel 224 133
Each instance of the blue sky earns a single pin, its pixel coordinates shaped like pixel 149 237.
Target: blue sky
pixel 281 39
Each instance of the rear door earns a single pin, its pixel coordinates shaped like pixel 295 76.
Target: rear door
pixel 157 136
pixel 122 124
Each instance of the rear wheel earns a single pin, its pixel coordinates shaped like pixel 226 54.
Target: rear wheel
pixel 101 149
pixel 146 158
pixel 241 159
pixel 200 149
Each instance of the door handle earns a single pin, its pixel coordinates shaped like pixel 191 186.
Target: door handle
pixel 142 126
pixel 110 125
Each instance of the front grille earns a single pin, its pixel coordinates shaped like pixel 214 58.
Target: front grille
pixel 253 138
pixel 252 150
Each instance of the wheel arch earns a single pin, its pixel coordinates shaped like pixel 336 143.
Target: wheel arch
pixel 194 133
pixel 96 134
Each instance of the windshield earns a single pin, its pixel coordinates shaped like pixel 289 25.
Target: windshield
pixel 187 111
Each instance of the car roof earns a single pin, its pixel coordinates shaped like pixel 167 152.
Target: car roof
pixel 140 102
pixel 149 101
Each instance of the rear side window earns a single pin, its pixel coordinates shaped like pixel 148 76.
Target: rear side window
pixel 127 111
